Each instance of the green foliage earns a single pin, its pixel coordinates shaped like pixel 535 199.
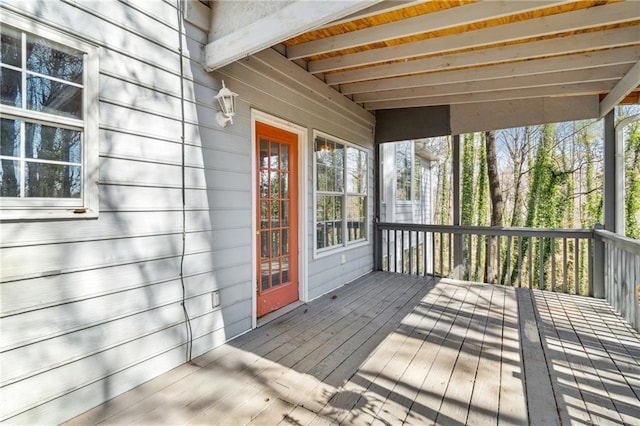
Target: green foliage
pixel 468 169
pixel 632 182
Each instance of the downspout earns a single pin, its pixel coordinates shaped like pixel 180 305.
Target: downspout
pixel 620 173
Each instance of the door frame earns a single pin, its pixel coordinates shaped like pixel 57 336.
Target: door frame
pixel 303 203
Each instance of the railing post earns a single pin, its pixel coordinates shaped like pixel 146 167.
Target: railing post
pixel 597 278
pixel 458 259
pixel 377 246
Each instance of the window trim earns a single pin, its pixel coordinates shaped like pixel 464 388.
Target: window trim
pixel 346 245
pixel 87 206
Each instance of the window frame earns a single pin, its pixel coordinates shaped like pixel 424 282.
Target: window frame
pixel 87 205
pixel 346 244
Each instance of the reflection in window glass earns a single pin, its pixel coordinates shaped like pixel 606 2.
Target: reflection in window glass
pixel 403 171
pixel 11 87
pixel 43 180
pixel 11 51
pixel 48 58
pixel 54 97
pixel 10 178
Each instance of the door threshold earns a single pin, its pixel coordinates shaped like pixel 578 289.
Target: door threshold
pixel 277 314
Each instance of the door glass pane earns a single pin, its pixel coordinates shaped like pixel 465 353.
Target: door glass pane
pixel 264 153
pixel 285 185
pixel 264 183
pixel 264 214
pixel 264 275
pixel 275 273
pixel 274 155
pixel 284 157
pixel 275 214
pixel 285 213
pixel 285 269
pixel 264 244
pixel 275 243
pixel 285 241
pixel 275 184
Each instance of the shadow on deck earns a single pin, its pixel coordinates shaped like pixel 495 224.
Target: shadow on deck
pixel 393 349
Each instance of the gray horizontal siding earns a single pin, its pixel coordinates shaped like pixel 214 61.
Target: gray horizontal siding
pixel 92 308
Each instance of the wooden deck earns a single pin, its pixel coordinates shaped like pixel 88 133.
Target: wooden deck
pixel 391 349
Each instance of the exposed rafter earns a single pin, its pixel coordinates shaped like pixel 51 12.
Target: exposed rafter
pixel 447 18
pixel 610 73
pixel 614 13
pixel 579 89
pixel 591 41
pixel 627 55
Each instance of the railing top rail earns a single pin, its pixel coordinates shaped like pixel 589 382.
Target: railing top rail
pixel 489 230
pixel 628 244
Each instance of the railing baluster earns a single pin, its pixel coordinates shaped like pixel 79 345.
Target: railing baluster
pixel 565 261
pixel 519 261
pixel 530 262
pixel 433 253
pixel 441 255
pixel 402 251
pixel 498 252
pixel 590 248
pixel 508 274
pixel 553 263
pixel 541 285
pixel 577 266
pixel 450 254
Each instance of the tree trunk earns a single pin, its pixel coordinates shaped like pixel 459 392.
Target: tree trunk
pixel 491 264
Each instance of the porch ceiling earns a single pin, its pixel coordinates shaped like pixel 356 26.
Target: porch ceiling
pixel 400 54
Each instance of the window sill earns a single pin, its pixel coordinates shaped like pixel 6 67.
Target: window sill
pixel 319 254
pixel 18 215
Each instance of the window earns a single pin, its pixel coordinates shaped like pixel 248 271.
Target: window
pixel 403 171
pixel 341 193
pixel 48 124
pixel 408 172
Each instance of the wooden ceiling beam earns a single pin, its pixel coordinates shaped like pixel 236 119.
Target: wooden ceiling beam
pixel 613 13
pixel 265 30
pixel 624 55
pixel 591 41
pixel 626 85
pixel 610 73
pixel 448 18
pixel 567 90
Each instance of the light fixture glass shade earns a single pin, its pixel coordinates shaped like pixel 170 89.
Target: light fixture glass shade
pixel 227 101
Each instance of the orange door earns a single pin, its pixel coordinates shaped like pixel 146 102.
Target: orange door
pixel 277 217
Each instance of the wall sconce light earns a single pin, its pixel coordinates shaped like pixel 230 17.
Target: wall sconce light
pixel 227 101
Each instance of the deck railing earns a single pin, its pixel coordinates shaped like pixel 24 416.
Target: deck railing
pixel 621 273
pixel 588 262
pixel 549 259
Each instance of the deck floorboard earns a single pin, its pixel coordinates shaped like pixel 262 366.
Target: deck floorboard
pixel 391 349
